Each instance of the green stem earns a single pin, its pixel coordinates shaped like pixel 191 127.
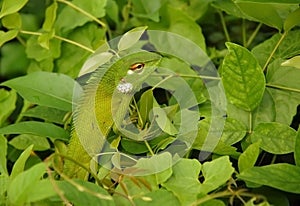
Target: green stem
pixel 274 50
pixel 83 12
pixel 224 26
pixel 250 122
pixel 211 196
pixel 283 88
pixel 149 147
pixel 60 38
pixel 162 81
pixel 253 35
pixel 273 159
pixel 244 35
pixel 189 76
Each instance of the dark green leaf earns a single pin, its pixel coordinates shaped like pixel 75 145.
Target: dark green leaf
pixel 275 138
pixel 13 65
pixel 11 6
pixel 20 163
pixel 215 173
pixel 22 141
pixel 3 149
pixel 46 89
pixel 281 176
pixel 248 158
pixel 292 20
pixel 36 128
pixel 243 79
pixel 7 36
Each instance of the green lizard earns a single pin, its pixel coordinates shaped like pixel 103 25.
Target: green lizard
pixel 105 102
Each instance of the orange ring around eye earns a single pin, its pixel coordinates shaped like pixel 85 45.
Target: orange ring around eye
pixel 137 66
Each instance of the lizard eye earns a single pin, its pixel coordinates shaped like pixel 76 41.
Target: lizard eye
pixel 137 67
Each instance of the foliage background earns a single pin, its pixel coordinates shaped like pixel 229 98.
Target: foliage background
pixel 261 155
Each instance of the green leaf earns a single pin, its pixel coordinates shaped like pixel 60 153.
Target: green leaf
pixel 153 164
pixel 45 190
pixel 35 51
pixel 4 182
pixel 292 62
pixel 130 38
pixel 112 10
pixel 297 149
pixel 184 181
pixel 11 6
pixel 285 76
pixel 23 183
pixel 73 57
pixel 248 158
pixel 158 197
pixel 20 163
pixel 230 8
pixel 22 141
pixel 3 149
pixel 292 20
pixel 275 138
pixel 272 1
pixel 36 128
pixel 8 101
pixel 46 89
pixel 163 121
pixel 147 9
pixel 85 193
pixel 243 79
pixel 46 113
pixel 7 36
pixel 50 17
pixel 268 14
pixel 265 112
pixel 285 104
pixel 69 18
pixel 145 105
pixel 175 21
pixel 193 8
pixel 289 47
pixel 216 173
pixel 233 131
pixel 281 176
pixel 12 21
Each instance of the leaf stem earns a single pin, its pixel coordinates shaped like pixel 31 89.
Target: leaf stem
pixel 224 26
pixel 250 122
pixel 60 38
pixel 253 35
pixel 189 76
pixel 83 12
pixel 274 50
pixel 283 88
pixel 149 147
